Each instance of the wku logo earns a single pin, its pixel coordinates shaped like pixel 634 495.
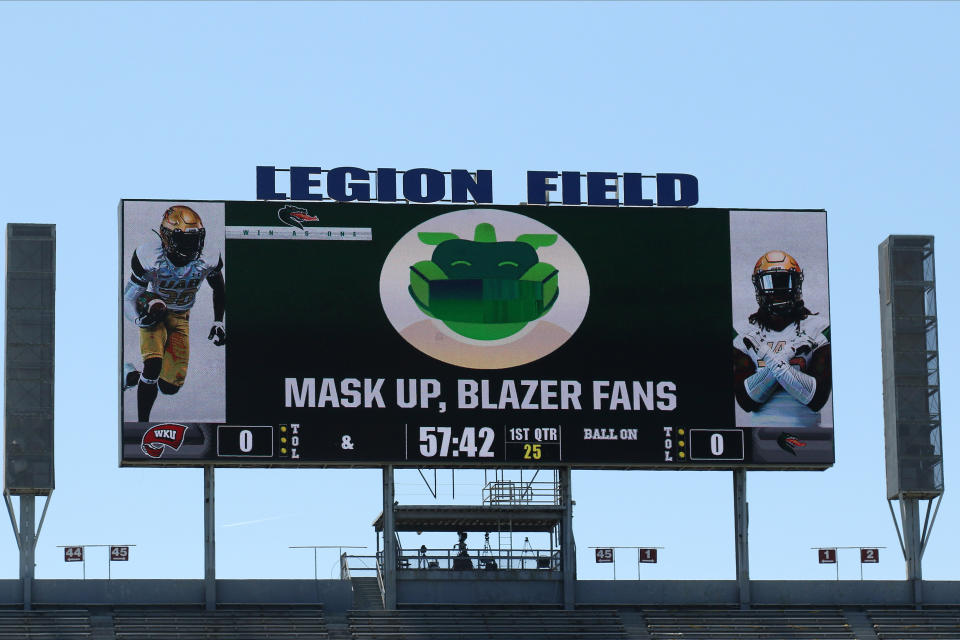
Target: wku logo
pixel 295 216
pixel 163 435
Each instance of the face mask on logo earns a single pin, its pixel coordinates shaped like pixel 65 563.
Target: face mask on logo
pixel 481 288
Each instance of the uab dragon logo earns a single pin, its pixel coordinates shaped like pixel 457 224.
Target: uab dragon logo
pixel 484 289
pixel 295 216
pixel 790 443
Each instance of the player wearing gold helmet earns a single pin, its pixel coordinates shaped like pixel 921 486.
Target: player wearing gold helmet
pixel 782 357
pixel 166 274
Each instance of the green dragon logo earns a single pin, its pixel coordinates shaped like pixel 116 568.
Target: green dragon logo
pixel 483 288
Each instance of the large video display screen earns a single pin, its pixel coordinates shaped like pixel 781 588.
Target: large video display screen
pixel 360 334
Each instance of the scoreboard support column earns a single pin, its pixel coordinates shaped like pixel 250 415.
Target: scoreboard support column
pixel 568 553
pixel 741 521
pixel 209 541
pixel 27 548
pixel 912 545
pixel 389 543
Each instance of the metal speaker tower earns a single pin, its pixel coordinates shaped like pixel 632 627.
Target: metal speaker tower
pixel 28 424
pixel 911 389
pixel 28 411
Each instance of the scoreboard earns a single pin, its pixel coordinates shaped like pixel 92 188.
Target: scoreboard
pixel 294 444
pixel 358 335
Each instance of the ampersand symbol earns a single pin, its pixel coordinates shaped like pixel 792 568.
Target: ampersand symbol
pixel 345 443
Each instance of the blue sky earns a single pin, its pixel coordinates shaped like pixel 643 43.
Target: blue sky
pixel 848 107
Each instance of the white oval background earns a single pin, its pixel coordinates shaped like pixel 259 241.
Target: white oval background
pixel 432 337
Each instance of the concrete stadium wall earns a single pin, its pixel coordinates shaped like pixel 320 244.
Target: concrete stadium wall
pixel 542 588
pixel 334 595
pixel 610 592
pixel 451 589
pixel 763 592
pixel 479 588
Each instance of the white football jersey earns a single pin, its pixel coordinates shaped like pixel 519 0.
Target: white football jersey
pixel 177 286
pixel 781 409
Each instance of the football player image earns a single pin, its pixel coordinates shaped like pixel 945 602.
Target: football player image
pixel 782 355
pixel 166 274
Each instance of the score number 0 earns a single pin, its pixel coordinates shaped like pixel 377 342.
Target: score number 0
pixel 716 444
pixel 244 441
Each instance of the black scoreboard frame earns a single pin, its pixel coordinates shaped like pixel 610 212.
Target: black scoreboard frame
pixel 631 294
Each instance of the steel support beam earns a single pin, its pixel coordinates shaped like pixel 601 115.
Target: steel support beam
pixel 568 549
pixel 28 542
pixel 389 542
pixel 209 540
pixel 912 545
pixel 741 522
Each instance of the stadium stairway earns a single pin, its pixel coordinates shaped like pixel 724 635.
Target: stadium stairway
pixel 246 623
pixel 860 624
pixel 338 627
pixel 635 624
pixel 736 624
pixel 486 624
pixel 916 624
pixel 366 594
pixel 101 626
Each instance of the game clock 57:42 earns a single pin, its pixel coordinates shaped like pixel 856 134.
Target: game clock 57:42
pixel 445 443
pixel 528 445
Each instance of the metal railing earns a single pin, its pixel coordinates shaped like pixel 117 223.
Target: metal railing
pixel 351 566
pixel 383 595
pixel 453 560
pixel 359 566
pixel 508 492
pixel 497 559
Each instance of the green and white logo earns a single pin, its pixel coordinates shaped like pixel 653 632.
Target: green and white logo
pixel 484 289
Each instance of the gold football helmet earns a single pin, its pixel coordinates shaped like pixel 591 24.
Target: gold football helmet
pixel 182 234
pixel 778 282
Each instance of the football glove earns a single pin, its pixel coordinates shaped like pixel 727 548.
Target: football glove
pixel 151 309
pixel 218 334
pixel 799 385
pixel 757 347
pixel 761 385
